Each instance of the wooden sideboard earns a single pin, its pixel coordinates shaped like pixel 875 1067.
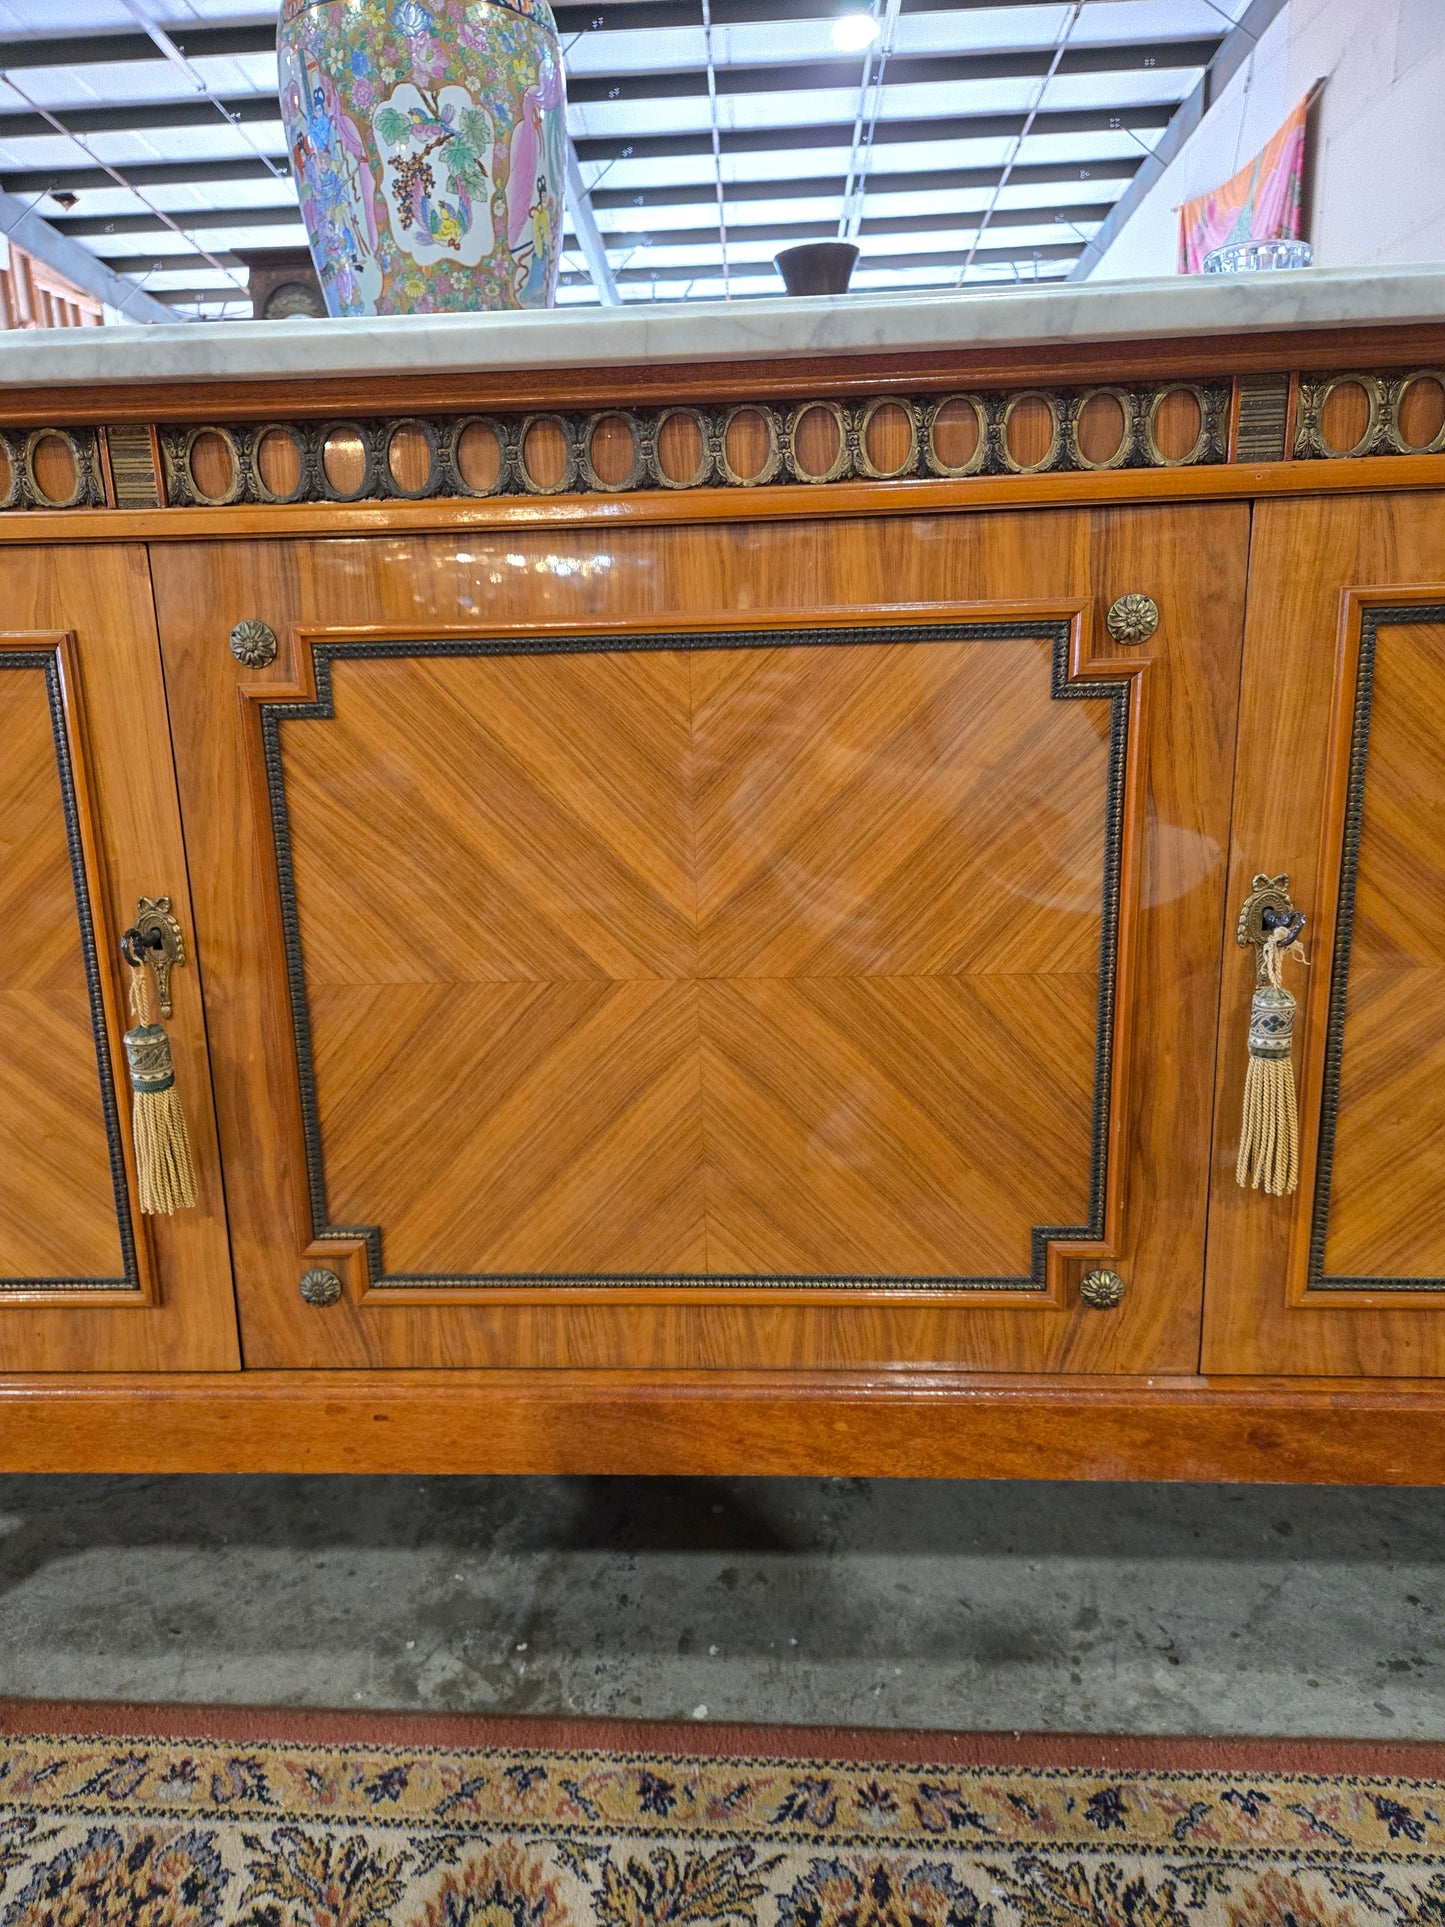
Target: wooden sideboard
pixel 709 899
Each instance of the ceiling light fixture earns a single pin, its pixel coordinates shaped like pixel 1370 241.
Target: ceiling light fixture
pixel 852 32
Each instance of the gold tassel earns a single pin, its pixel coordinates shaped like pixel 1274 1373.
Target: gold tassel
pixel 1269 1140
pixel 162 1143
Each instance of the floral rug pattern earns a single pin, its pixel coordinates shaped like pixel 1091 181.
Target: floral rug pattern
pixel 116 1832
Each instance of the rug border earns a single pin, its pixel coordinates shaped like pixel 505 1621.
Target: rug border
pixel 845 1745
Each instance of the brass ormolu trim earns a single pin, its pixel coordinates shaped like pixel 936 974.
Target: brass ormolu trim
pixel 783 461
pixel 253 643
pixel 20 487
pixel 1384 399
pixel 165 947
pixel 1101 1290
pixel 1132 619
pixel 319 1286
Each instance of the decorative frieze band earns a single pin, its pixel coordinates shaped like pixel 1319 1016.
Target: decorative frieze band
pixel 1352 415
pixel 746 445
pixel 681 446
pixel 50 468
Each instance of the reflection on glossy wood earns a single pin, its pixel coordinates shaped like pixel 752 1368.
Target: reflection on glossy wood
pixel 1192 563
pixel 896 813
pixel 710 1424
pixel 58 1221
pixel 1294 728
pixel 132 847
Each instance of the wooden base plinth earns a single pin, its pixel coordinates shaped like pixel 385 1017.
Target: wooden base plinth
pixel 908 1425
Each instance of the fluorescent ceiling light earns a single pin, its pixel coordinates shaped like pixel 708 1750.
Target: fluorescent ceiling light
pixel 852 32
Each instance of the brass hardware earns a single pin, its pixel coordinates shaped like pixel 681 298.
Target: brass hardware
pixel 1101 1290
pixel 155 939
pixel 253 643
pixel 1267 909
pixel 319 1286
pixel 1132 619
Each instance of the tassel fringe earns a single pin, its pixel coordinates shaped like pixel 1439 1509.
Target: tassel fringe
pixel 1269 1143
pixel 167 1177
pixel 1269 1137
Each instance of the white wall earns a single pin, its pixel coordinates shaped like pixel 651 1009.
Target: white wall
pixel 1379 161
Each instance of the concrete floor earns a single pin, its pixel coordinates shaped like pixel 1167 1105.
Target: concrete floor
pixel 1164 1609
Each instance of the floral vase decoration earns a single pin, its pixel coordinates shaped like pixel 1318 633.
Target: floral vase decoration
pixel 428 142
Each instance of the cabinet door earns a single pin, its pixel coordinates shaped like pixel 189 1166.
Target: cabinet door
pixel 790 944
pixel 1341 783
pixel 88 825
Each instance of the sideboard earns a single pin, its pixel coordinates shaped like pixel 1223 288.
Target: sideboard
pixel 700 860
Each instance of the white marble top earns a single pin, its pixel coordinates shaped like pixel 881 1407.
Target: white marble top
pixel 858 324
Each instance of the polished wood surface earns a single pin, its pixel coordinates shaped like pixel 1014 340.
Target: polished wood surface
pixel 846 570
pixel 837 1424
pixel 59 1214
pixel 1315 568
pixel 1222 482
pixel 1384 1214
pixel 184 1319
pixel 752 960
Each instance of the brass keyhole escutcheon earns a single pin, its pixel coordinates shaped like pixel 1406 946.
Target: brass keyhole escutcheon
pixel 1132 619
pixel 319 1286
pixel 1101 1290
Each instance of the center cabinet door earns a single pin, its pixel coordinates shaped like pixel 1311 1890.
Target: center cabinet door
pixel 779 945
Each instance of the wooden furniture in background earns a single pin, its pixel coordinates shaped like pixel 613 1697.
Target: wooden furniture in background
pixel 33 295
pixel 710 939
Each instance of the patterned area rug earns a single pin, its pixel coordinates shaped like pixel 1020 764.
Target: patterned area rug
pixel 182 1818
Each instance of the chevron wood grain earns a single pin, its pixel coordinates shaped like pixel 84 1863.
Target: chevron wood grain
pixel 1384 1212
pixel 516 873
pixel 772 961
pixel 57 1201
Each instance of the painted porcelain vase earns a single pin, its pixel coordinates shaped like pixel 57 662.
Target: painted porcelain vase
pixel 428 143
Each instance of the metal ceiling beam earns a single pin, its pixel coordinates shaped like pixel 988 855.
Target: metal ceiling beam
pixel 18 223
pixel 708 271
pixel 139 117
pixel 767 140
pixel 891 224
pixel 784 77
pixel 584 226
pixel 197 219
pixel 1233 51
pixel 204 220
pixel 77 180
pixel 914 181
pixel 150 116
pixel 617 16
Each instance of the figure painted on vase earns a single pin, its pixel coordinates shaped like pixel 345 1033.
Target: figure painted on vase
pixel 428 140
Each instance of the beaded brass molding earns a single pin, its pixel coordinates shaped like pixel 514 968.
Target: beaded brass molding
pixel 1385 397
pixel 21 486
pixel 918 425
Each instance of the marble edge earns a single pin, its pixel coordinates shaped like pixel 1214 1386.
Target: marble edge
pixel 860 324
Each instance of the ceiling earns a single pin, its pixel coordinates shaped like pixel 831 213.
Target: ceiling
pixel 971 143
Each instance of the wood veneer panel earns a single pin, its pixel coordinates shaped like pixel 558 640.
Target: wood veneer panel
pixel 844 570
pixel 58 1208
pixel 1300 666
pixel 133 848
pixel 833 1424
pixel 1389 1147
